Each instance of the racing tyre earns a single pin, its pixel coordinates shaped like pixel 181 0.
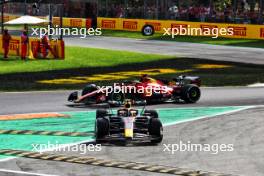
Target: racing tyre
pixel 191 93
pixel 101 128
pixel 73 96
pixel 89 88
pixel 148 30
pixel 152 113
pixel 156 130
pixel 100 113
pixel 117 99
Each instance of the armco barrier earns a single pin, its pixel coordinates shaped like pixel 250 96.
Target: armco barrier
pixel 244 31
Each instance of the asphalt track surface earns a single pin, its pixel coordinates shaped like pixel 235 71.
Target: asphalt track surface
pixel 180 49
pixel 55 101
pixel 244 129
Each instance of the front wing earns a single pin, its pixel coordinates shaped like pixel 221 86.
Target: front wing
pixel 138 137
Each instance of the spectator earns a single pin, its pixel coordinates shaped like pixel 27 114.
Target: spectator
pixel 191 13
pixel 174 12
pixel 207 11
pixel 24 45
pixel 6 41
pixel 202 13
pixel 46 47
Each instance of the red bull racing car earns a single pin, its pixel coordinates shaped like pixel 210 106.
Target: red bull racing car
pixel 182 88
pixel 128 125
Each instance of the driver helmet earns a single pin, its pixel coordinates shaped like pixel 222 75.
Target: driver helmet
pixel 128 104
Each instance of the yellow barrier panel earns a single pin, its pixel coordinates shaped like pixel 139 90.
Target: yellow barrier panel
pixel 245 31
pixel 72 22
pixel 34 48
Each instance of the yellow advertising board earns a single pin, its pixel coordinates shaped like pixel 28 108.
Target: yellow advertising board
pixel 34 48
pixel 73 22
pixel 245 31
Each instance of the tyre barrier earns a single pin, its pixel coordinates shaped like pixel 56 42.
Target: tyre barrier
pixel 46 133
pixel 107 163
pixel 148 30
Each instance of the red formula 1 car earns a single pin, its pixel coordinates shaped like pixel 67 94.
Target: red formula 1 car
pixel 182 88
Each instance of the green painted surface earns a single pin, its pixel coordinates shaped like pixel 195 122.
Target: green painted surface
pixel 172 116
pixel 84 122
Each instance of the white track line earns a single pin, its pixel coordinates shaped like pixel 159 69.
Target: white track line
pixel 24 173
pixel 36 91
pixel 202 107
pixel 91 110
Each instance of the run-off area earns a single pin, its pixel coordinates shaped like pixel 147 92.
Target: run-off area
pixel 84 122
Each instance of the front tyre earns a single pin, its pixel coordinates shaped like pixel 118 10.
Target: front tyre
pixel 100 113
pixel 101 129
pixel 89 89
pixel 156 130
pixel 191 93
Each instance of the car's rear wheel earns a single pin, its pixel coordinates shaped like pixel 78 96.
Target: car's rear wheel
pixel 156 130
pixel 191 93
pixel 117 99
pixel 101 128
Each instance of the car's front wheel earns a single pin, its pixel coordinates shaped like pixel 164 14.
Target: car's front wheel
pixel 156 130
pixel 100 113
pixel 89 89
pixel 101 128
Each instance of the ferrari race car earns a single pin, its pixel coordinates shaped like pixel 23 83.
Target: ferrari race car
pixel 182 88
pixel 128 125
